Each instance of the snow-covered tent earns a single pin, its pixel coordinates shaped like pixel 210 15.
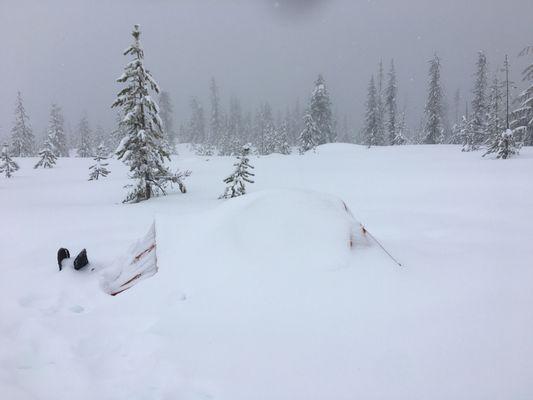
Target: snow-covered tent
pixel 285 227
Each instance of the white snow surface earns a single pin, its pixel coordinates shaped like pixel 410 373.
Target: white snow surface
pixel 261 297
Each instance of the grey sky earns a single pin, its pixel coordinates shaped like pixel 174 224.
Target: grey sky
pixel 70 51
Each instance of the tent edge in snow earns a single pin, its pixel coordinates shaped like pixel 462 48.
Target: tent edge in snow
pixel 140 263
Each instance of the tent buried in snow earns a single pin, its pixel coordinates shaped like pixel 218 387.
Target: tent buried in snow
pixel 139 263
pixel 295 216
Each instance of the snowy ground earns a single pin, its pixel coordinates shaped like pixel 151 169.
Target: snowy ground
pixel 259 298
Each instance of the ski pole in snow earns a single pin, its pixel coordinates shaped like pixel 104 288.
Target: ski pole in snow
pixel 366 232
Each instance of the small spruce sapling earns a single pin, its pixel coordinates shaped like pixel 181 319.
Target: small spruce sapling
pixel 237 181
pixel 99 168
pixel 7 165
pixel 47 154
pixel 504 146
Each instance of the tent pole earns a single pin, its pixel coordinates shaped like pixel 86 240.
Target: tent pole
pixel 366 232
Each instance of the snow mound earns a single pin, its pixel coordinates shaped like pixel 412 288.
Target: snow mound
pixel 304 226
pixel 276 227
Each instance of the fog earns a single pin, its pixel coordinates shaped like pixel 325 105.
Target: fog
pixel 70 51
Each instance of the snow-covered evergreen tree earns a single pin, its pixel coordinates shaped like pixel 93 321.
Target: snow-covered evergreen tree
pixel 460 131
pixel 215 123
pixel 478 124
pixel 503 145
pixel 144 148
pixel 381 104
pixel 522 117
pixel 400 131
pixel 371 130
pixel 166 111
pixel 118 133
pixel 264 127
pixel 47 154
pixel 282 140
pixel 197 122
pixel 297 123
pixel 456 106
pixel 99 168
pixel 433 128
pixel 226 139
pixel 308 139
pixel 391 94
pixel 22 139
pixel 56 132
pixel 85 148
pixel 247 127
pixel 230 142
pixel 237 181
pixel 507 86
pixel 276 139
pixel 494 117
pixel 271 140
pixel 7 165
pixel 235 121
pixel 320 110
pixel 100 137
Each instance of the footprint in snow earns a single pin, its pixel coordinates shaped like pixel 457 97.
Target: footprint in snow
pixel 76 309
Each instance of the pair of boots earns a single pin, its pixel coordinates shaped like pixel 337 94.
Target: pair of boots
pixel 80 261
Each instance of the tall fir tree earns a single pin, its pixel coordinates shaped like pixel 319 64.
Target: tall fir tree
pixel 507 86
pixel 522 117
pixel 235 120
pixel 297 122
pixel 308 139
pixel 215 123
pixel 100 137
pixel 144 148
pixel 479 126
pixel 85 149
pixel 264 127
pixel 495 123
pixel 456 106
pixel 197 122
pixel 371 131
pixel 226 139
pixel 119 132
pixel 282 139
pixel 166 110
pixel 7 165
pixel 320 110
pixel 433 127
pixel 22 139
pixel 460 131
pixel 247 127
pixel 391 94
pixel 381 106
pixel 99 168
pixel 271 139
pixel 56 132
pixel 240 177
pixel 401 130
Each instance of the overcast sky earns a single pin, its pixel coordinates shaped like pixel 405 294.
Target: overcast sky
pixel 70 51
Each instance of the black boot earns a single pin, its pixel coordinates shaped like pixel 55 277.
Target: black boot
pixel 62 253
pixel 81 260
